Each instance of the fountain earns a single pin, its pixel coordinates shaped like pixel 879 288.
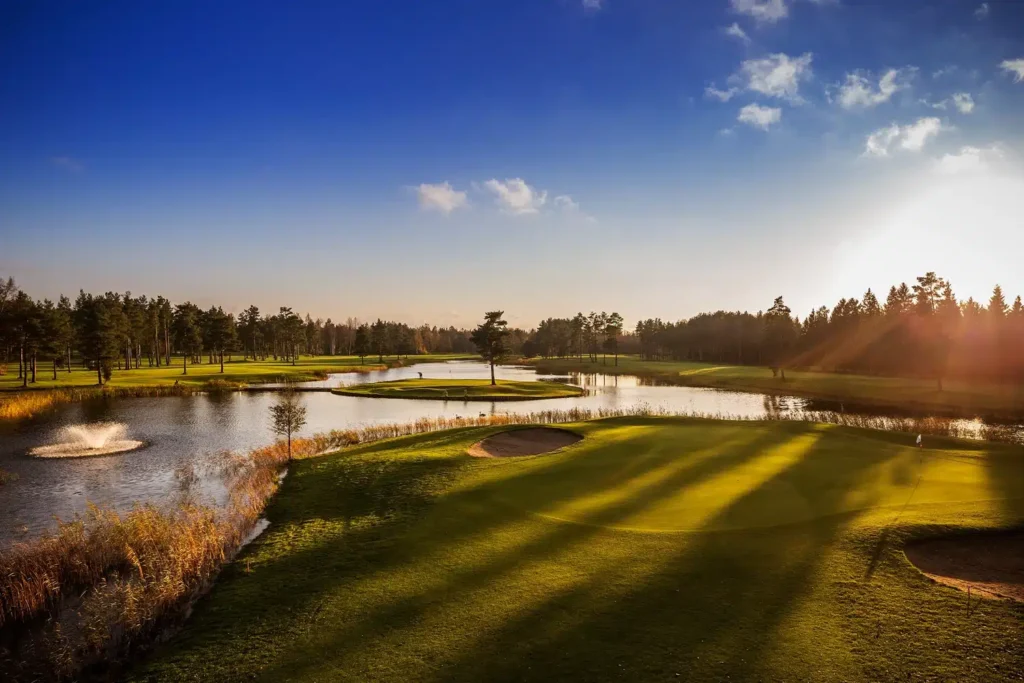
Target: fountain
pixel 104 438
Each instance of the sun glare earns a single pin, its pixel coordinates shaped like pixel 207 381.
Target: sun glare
pixel 966 227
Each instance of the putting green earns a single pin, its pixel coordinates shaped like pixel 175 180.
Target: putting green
pixel 724 478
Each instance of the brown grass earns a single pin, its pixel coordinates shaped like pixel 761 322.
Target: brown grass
pixel 103 586
pixel 25 404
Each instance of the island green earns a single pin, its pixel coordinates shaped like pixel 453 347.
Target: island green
pixel 462 389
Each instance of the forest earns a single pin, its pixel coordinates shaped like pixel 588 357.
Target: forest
pixel 921 330
pixel 116 331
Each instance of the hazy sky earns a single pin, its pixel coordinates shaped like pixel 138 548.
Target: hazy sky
pixel 430 160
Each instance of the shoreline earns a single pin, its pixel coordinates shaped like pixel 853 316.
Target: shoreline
pixel 850 401
pixel 17 404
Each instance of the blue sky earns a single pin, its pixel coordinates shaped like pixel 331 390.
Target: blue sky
pixel 427 161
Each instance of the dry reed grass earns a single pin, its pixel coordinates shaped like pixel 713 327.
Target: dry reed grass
pixel 25 404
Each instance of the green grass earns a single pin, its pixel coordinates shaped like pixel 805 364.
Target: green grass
pixel 995 400
pixel 655 549
pixel 235 372
pixel 462 389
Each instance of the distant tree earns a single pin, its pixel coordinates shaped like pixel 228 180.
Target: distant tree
pixel 187 335
pixel 66 324
pixel 99 332
pixel 577 327
pixel 25 330
pixel 612 329
pixel 779 335
pixel 947 323
pixel 288 415
pixel 490 339
pixel 997 308
pixel 248 328
pixel 222 335
pixel 166 318
pixel 57 332
pixel 379 338
pixel 361 345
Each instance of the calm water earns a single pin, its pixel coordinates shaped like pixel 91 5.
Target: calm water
pixel 193 430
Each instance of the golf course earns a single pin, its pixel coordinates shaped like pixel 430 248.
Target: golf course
pixel 462 389
pixel 650 549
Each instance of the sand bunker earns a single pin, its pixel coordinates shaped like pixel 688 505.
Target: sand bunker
pixel 519 442
pixel 991 565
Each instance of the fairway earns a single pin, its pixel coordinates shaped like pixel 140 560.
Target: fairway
pixel 462 389
pixel 653 549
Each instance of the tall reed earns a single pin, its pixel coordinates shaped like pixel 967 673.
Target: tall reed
pixel 104 585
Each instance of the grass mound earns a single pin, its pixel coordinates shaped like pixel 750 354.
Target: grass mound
pixel 654 547
pixel 462 389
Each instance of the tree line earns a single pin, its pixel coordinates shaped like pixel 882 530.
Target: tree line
pixel 590 335
pixel 922 330
pixel 124 332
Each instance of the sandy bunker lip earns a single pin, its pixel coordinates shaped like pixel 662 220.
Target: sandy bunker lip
pixel 519 442
pixel 991 565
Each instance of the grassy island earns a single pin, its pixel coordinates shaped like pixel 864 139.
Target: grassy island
pixel 462 389
pixel 717 550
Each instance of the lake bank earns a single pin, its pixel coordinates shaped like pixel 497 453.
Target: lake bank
pixel 958 399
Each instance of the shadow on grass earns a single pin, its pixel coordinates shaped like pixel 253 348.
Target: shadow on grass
pixel 707 606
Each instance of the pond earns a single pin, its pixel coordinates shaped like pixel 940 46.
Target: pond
pixel 192 430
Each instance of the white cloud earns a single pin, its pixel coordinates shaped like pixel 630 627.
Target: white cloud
pixel 592 5
pixel 859 93
pixel 968 160
pixel 68 164
pixel 777 75
pixel 736 32
pixel 711 92
pixel 761 10
pixel 759 117
pixel 982 11
pixel 912 137
pixel 944 71
pixel 440 197
pixel 963 102
pixel 515 196
pixel 566 203
pixel 1016 67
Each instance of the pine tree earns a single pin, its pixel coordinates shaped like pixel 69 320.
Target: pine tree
pixel 361 345
pixel 490 338
pixel 997 307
